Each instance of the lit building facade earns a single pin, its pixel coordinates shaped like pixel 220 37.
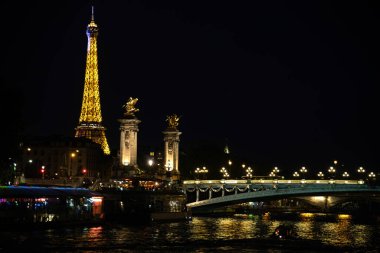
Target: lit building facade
pixel 61 157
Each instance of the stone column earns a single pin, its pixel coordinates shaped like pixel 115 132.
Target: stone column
pixel 171 158
pixel 128 142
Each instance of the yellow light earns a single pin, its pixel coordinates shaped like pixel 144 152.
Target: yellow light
pixel 344 216
pixel 318 198
pixel 306 215
pixel 97 199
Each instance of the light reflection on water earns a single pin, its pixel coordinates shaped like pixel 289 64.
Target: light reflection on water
pixel 175 236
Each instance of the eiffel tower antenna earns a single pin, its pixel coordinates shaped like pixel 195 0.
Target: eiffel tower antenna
pixel 92 13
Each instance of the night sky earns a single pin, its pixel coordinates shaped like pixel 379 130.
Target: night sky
pixel 285 84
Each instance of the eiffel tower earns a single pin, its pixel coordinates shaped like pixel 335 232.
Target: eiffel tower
pixel 90 121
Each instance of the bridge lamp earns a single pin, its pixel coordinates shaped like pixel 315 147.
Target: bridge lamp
pixel 272 174
pixel 295 174
pixel 224 172
pixel 331 170
pixel 345 174
pixel 203 171
pixel 361 172
pixel 320 174
pixel 303 170
pixel 371 175
pixel 275 170
pixel 249 172
pixel 197 171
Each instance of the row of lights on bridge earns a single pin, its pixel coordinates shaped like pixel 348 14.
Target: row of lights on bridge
pixel 276 171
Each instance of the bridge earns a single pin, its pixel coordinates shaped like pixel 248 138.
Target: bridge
pixel 240 191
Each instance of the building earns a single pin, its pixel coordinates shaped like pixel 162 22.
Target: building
pixel 58 157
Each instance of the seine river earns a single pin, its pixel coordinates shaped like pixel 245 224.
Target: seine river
pixel 244 233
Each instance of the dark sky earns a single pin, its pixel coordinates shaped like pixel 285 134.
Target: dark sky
pixel 287 83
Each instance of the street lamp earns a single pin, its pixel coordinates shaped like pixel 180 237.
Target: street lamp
pixel 202 171
pixel 320 174
pixel 249 172
pixel 331 170
pixel 345 174
pixel 296 174
pixel 275 170
pixel 361 172
pixel 43 172
pixel 272 174
pixel 224 172
pixel 303 170
pixel 372 175
pixel 72 156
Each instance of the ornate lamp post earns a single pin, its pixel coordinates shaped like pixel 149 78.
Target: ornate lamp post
pixel 249 172
pixel 303 170
pixel 224 172
pixel 372 175
pixel 202 171
pixel 331 170
pixel 361 172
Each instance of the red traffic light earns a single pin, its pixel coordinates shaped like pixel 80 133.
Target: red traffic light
pixel 84 171
pixel 42 170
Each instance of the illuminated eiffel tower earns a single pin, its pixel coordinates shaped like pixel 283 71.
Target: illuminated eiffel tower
pixel 90 121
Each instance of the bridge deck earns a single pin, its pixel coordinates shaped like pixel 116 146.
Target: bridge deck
pixel 269 190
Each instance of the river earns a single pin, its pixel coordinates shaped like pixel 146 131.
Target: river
pixel 239 233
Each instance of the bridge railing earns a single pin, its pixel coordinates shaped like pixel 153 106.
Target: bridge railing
pixel 296 190
pixel 268 181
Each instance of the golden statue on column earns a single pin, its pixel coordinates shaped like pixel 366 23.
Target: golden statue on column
pixel 130 108
pixel 173 121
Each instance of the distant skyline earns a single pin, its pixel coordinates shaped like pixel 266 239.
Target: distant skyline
pixel 283 83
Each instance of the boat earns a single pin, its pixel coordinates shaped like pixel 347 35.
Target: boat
pixel 142 200
pixel 284 232
pixel 42 206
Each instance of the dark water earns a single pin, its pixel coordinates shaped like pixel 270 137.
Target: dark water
pixel 204 234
